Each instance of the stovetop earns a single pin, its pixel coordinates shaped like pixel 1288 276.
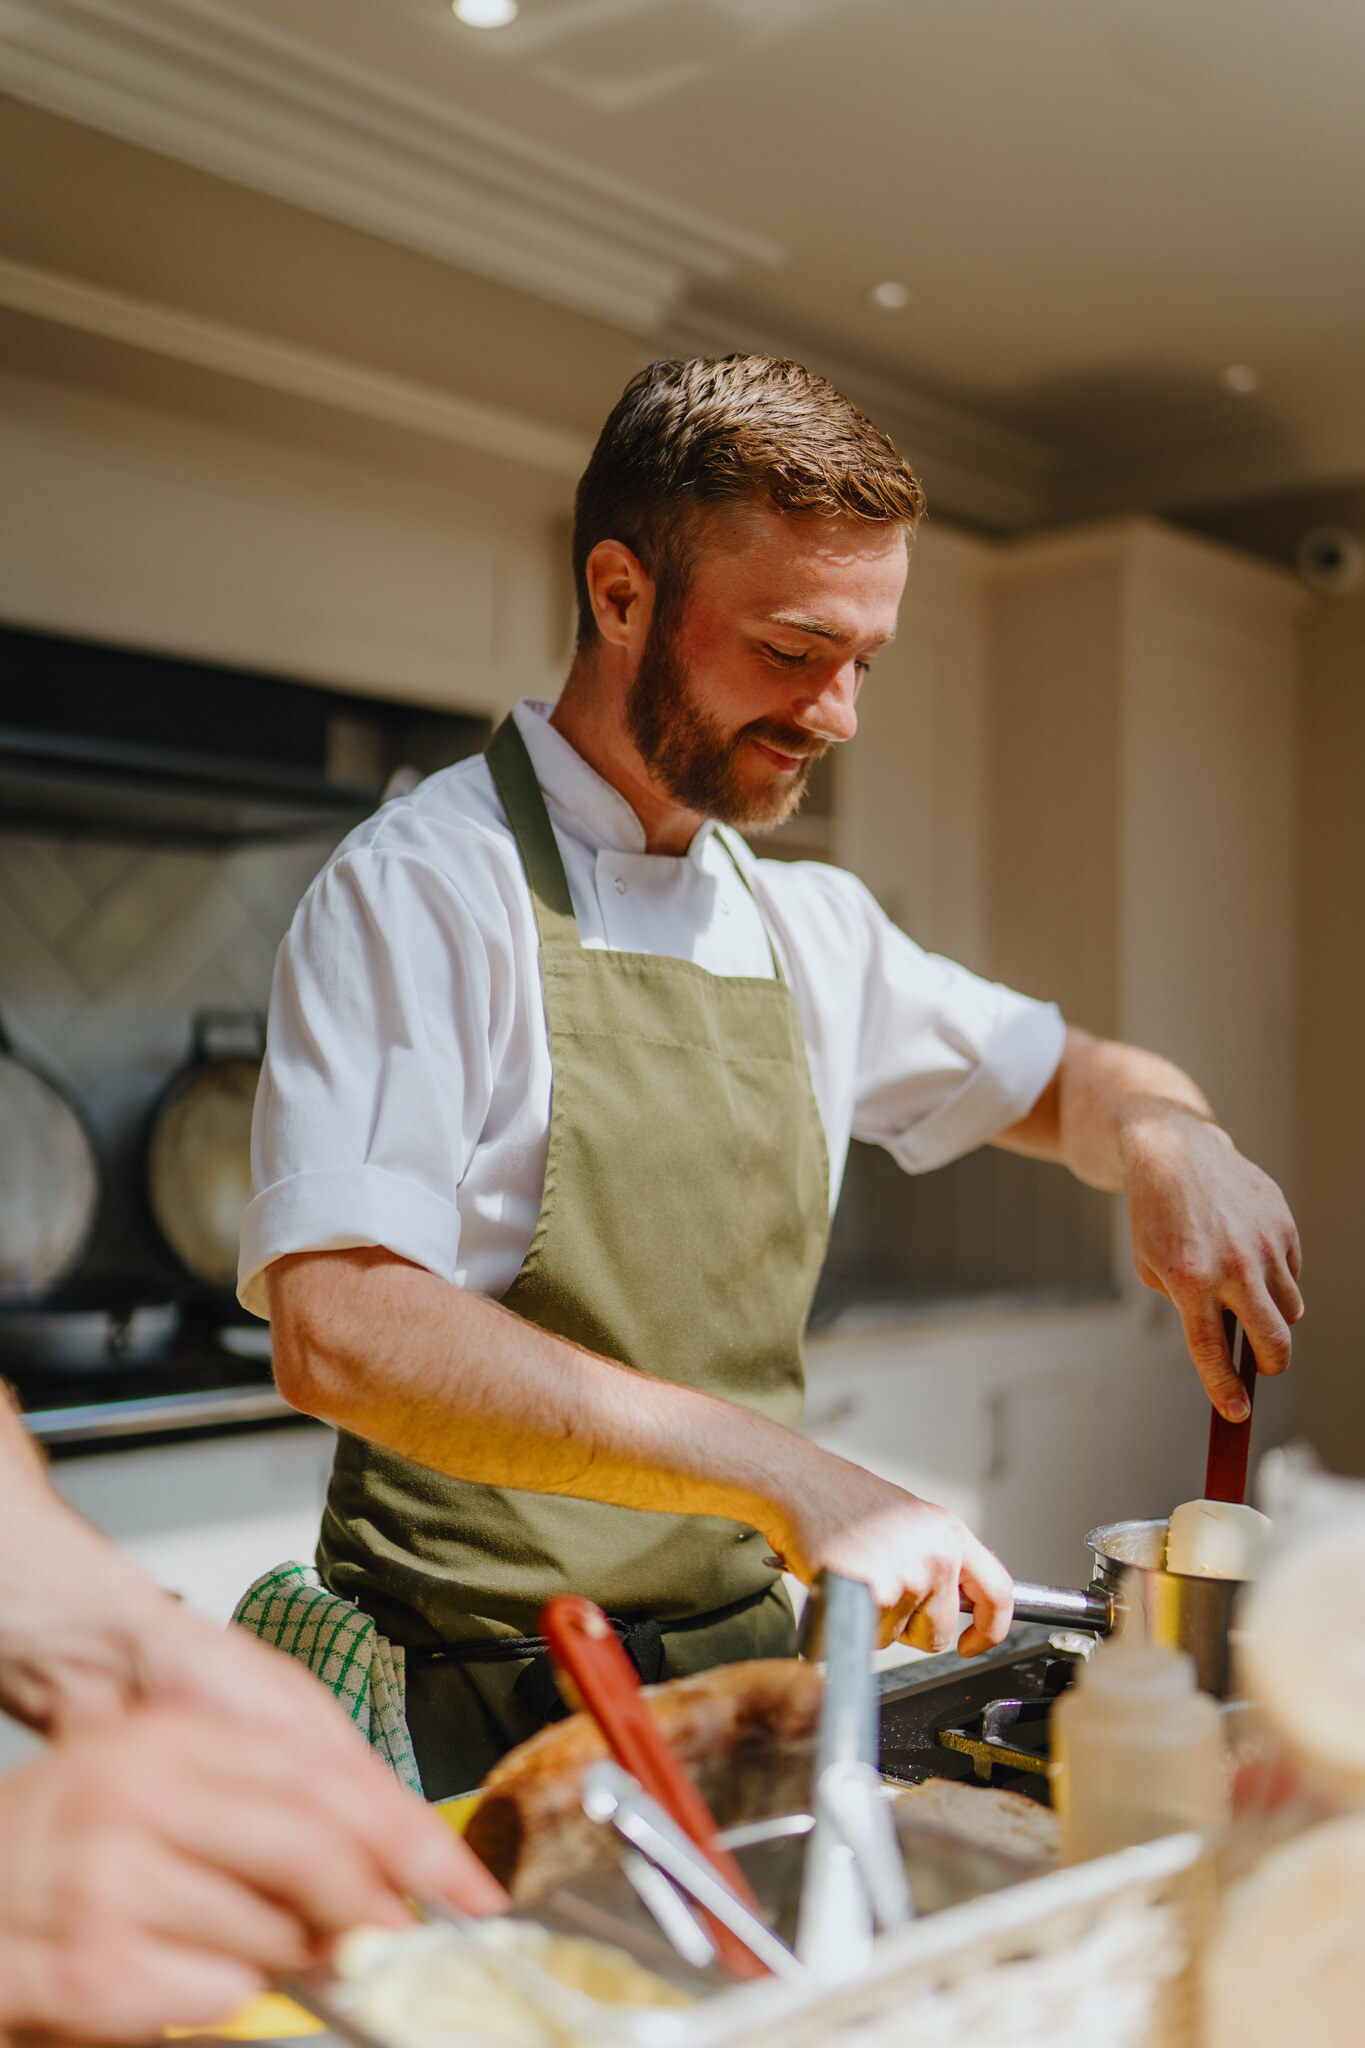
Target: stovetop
pixel 209 1377
pixel 980 1722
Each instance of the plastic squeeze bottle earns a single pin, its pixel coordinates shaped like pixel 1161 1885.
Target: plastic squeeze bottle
pixel 1136 1751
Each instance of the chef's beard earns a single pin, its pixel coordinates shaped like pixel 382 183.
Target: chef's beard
pixel 695 759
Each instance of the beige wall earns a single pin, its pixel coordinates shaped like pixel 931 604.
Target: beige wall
pixel 911 791
pixel 1143 810
pixel 1331 910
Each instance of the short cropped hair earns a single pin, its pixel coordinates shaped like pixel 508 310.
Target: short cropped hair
pixel 685 437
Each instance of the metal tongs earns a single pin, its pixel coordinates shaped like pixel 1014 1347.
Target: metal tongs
pixel 611 1794
pixel 854 1879
pixel 651 1786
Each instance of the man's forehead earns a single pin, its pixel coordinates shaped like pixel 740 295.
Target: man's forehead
pixel 838 579
pixel 787 550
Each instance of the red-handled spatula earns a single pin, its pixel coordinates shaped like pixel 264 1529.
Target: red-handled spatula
pixel 583 1645
pixel 1230 1442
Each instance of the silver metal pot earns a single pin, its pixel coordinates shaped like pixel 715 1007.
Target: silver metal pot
pixel 1184 1613
pixel 49 1182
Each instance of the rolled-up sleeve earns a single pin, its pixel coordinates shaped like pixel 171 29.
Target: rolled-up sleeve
pixel 907 1050
pixel 376 1080
pixel 947 1060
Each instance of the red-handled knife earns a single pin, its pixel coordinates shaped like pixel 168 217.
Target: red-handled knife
pixel 1230 1442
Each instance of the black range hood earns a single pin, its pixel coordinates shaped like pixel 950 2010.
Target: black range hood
pixel 110 743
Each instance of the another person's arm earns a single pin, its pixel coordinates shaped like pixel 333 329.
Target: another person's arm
pixel 1210 1231
pixel 160 1866
pixel 389 1351
pixel 84 1635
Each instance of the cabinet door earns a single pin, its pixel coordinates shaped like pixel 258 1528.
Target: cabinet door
pixel 1046 1478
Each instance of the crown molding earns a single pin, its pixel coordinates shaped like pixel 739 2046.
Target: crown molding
pixel 302 372
pixel 971 469
pixel 200 81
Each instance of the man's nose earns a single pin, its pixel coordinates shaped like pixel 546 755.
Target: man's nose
pixel 833 713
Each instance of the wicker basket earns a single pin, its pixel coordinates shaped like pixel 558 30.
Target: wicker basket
pixel 1093 1957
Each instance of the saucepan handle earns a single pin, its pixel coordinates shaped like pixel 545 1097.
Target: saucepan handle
pixel 1062 1606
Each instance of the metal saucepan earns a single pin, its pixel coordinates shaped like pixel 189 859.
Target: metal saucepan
pixel 49 1182
pixel 1190 1614
pixel 1183 1612
pixel 199 1148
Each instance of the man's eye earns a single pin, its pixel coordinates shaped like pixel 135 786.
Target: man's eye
pixel 786 660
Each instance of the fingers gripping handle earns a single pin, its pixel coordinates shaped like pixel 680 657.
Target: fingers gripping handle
pixel 1230 1442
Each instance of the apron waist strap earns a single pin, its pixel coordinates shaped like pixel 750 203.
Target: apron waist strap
pixel 537 1688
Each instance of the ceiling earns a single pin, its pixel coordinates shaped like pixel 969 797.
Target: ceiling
pixel 1095 206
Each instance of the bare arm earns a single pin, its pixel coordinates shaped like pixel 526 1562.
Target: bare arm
pixel 1210 1230
pixel 392 1353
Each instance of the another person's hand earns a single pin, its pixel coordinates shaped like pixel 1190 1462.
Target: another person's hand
pixel 162 1866
pixel 85 1636
pixel 1211 1231
pixel 921 1561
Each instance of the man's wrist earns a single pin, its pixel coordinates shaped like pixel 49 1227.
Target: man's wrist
pixel 1155 1134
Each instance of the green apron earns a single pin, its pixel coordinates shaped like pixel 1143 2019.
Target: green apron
pixel 681 1231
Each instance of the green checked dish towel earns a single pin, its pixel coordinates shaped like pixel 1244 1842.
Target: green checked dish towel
pixel 290 1608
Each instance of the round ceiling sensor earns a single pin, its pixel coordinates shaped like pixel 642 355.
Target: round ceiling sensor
pixel 889 297
pixel 1332 561
pixel 484 13
pixel 1241 380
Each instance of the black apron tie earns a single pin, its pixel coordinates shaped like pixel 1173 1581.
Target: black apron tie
pixel 537 1688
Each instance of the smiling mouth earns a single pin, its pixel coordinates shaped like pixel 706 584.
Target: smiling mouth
pixel 788 764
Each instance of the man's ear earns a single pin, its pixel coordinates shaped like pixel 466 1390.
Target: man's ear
pixel 621 592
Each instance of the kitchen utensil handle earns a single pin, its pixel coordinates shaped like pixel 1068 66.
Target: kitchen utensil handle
pixel 583 1644
pixel 1061 1606
pixel 611 1794
pixel 1230 1442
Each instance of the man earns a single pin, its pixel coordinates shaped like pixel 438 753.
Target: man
pixel 561 1079
pixel 205 1814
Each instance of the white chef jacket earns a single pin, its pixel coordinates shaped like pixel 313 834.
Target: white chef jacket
pixel 405 1095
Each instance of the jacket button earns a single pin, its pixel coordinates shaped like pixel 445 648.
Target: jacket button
pixel 620 885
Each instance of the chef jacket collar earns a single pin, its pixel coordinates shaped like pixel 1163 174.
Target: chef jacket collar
pixel 581 802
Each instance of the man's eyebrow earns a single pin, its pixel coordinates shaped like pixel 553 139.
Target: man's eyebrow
pixel 799 623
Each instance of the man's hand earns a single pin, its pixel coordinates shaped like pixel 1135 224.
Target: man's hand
pixel 918 1559
pixel 161 1867
pixel 1210 1230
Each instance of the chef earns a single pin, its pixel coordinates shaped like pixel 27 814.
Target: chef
pixel 559 1088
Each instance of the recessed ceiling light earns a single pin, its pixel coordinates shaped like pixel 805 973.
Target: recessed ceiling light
pixel 1241 380
pixel 889 297
pixel 484 13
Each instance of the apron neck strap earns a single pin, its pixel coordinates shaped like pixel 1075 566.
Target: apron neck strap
pixel 514 778
pixel 722 834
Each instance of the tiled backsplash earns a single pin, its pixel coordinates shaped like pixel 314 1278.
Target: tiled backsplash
pixel 106 953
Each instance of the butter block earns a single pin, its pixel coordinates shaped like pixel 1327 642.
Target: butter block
pixel 1215 1539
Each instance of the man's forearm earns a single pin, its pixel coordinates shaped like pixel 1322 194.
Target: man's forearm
pixel 390 1352
pixel 1105 1109
pixel 384 1349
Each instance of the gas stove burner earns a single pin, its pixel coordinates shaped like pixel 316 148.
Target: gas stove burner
pixel 1012 1733
pixel 986 1727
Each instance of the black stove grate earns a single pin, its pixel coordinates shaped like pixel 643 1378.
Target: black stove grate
pixel 986 1727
